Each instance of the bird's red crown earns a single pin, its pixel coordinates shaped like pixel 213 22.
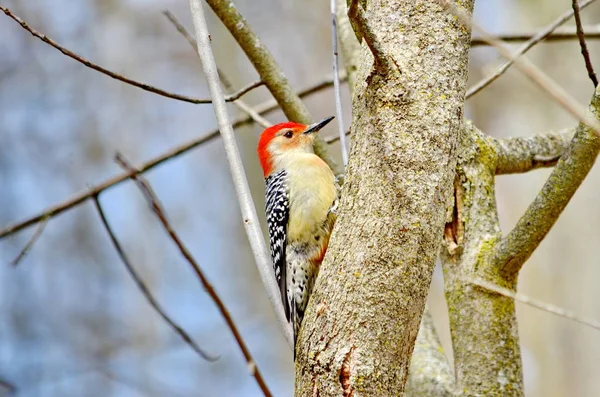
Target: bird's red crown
pixel 267 136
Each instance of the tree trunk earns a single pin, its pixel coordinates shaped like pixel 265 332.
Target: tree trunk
pixel 362 320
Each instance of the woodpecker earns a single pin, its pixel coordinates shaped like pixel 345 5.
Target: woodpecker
pixel 301 198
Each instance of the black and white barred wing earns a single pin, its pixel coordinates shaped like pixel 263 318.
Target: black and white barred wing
pixel 277 211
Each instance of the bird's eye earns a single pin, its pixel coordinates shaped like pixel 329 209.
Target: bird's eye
pixel 288 134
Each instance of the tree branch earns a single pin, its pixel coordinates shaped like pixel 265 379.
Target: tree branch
pixel 250 218
pixel 336 85
pixel 522 154
pixel 430 374
pixel 34 238
pixel 546 307
pixel 348 42
pixel 224 80
pixel 145 290
pixel 568 174
pixel 583 45
pixel 534 73
pixel 192 41
pixel 143 86
pixel 79 198
pixel 561 34
pixel 366 306
pixel 269 71
pixel 522 50
pixel 153 200
pixel 478 319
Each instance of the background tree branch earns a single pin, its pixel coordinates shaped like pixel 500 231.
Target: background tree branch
pixel 247 208
pixel 176 151
pixel 479 319
pixel 568 174
pixel 156 206
pixel 269 71
pixel 541 35
pixel 567 33
pixel 117 76
pixel 522 154
pixel 146 291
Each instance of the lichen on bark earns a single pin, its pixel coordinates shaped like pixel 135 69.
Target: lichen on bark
pixel 483 324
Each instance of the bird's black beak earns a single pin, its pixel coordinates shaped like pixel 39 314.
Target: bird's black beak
pixel 318 125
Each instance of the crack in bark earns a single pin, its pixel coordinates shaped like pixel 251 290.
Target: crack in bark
pixel 454 230
pixel 345 374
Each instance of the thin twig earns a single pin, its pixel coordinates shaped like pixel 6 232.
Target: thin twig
pixel 583 45
pixel 534 73
pixel 522 50
pixel 537 304
pixel 256 117
pixel 224 80
pixel 145 290
pixel 251 224
pixel 186 35
pixel 79 198
pixel 143 86
pixel 563 34
pixel 334 138
pixel 269 71
pixel 36 235
pixel 336 84
pixel 154 202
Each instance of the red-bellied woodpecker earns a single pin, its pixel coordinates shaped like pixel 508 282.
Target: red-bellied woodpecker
pixel 301 198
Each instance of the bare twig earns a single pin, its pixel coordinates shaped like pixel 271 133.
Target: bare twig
pixel 537 304
pixel 336 84
pixel 534 73
pixel 561 34
pixel 583 45
pixel 224 80
pixel 143 86
pixel 522 50
pixel 183 31
pixel 36 235
pixel 522 154
pixel 256 117
pixel 251 224
pixel 79 198
pixel 269 71
pixel 335 138
pixel 145 290
pixel 154 202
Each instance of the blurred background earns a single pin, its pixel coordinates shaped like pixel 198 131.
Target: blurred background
pixel 73 323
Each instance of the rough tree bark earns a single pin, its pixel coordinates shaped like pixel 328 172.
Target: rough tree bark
pixel 483 325
pixel 364 314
